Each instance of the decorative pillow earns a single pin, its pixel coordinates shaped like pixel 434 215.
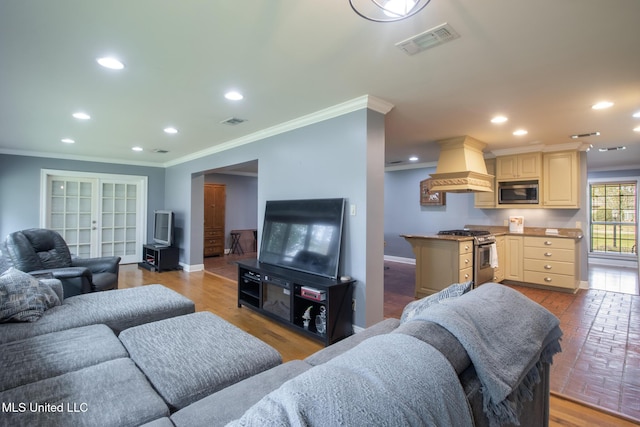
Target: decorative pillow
pixel 23 298
pixel 416 307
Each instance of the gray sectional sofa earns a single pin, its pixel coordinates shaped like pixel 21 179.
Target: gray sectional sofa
pixel 141 356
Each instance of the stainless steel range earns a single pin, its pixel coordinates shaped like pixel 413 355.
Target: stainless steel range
pixel 482 241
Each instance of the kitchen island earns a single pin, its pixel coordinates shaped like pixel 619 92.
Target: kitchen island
pixel 539 257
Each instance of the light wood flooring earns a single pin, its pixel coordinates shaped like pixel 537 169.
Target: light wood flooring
pixel 219 295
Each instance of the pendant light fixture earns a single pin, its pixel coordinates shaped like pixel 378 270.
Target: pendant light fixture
pixel 387 10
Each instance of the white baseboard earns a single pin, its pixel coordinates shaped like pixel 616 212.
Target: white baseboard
pixel 401 260
pixel 191 268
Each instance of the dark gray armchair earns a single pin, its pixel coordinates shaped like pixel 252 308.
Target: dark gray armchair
pixel 42 252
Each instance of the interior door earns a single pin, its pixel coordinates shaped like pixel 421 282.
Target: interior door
pixel 96 214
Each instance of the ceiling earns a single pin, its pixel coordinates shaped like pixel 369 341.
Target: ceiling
pixel 541 63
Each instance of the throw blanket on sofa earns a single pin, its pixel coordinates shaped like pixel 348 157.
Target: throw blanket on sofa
pixel 507 337
pixel 387 380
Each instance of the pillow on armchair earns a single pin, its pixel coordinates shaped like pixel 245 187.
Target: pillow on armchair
pixel 416 307
pixel 23 298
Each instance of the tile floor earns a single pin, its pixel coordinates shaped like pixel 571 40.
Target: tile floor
pixel 600 361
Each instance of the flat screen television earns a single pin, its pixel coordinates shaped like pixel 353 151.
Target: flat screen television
pixel 163 228
pixel 303 235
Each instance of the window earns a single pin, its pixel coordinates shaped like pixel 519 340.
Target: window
pixel 613 218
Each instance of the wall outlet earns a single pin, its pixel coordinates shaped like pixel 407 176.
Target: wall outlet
pixel 353 210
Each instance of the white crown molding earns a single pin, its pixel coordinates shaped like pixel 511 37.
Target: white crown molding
pixel 79 158
pixel 366 101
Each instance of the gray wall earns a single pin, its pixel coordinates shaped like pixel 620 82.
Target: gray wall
pixel 404 215
pixel 20 187
pixel 339 157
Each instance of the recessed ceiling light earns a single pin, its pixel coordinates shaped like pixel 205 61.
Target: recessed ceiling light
pixel 81 116
pixel 233 95
pixel 67 140
pixel 636 114
pixel 602 105
pixel 171 130
pixel 637 129
pixel 110 62
pixel 136 148
pixel 520 132
pixel 499 119
pixel 413 158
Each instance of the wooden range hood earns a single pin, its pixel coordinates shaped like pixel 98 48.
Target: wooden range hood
pixel 461 167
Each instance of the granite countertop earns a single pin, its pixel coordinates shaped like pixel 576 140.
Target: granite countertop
pixel 567 233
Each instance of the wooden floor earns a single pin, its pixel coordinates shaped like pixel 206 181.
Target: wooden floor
pixel 219 295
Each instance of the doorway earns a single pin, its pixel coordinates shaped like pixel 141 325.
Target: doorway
pixel 96 214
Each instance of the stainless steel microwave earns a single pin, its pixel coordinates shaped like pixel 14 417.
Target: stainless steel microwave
pixel 518 192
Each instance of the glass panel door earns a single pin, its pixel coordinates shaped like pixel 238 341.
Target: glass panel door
pixel 97 215
pixel 73 214
pixel 118 230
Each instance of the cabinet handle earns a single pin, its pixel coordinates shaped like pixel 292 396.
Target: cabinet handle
pixel 547 279
pixel 466 261
pixel 548 243
pixel 548 254
pixel 547 267
pixel 466 276
pixel 466 248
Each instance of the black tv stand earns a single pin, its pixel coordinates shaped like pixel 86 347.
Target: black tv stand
pixel 159 258
pixel 278 293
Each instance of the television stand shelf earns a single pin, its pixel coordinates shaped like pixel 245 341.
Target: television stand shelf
pixel 277 293
pixel 159 258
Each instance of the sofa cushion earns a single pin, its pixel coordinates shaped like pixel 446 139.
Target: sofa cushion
pixel 387 380
pixel 189 357
pixel 416 307
pixel 230 403
pixel 119 309
pixel 23 298
pixel 45 356
pixel 113 393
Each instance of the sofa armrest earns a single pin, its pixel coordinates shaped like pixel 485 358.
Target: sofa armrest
pixel 108 264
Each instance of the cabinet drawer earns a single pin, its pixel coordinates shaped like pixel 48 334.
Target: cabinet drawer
pixel 545 266
pixel 550 279
pixel 546 242
pixel 465 247
pixel 213 233
pixel 465 275
pixel 466 261
pixel 564 255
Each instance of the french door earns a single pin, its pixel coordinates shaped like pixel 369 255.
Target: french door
pixel 96 214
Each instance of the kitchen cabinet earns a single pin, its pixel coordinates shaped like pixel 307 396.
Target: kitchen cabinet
pixel 487 199
pixel 519 167
pixel 441 262
pixel 551 261
pixel 498 272
pixel 561 180
pixel 214 219
pixel 514 248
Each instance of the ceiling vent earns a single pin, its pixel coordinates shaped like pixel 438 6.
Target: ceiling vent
pixel 430 38
pixel 233 121
pixel 160 151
